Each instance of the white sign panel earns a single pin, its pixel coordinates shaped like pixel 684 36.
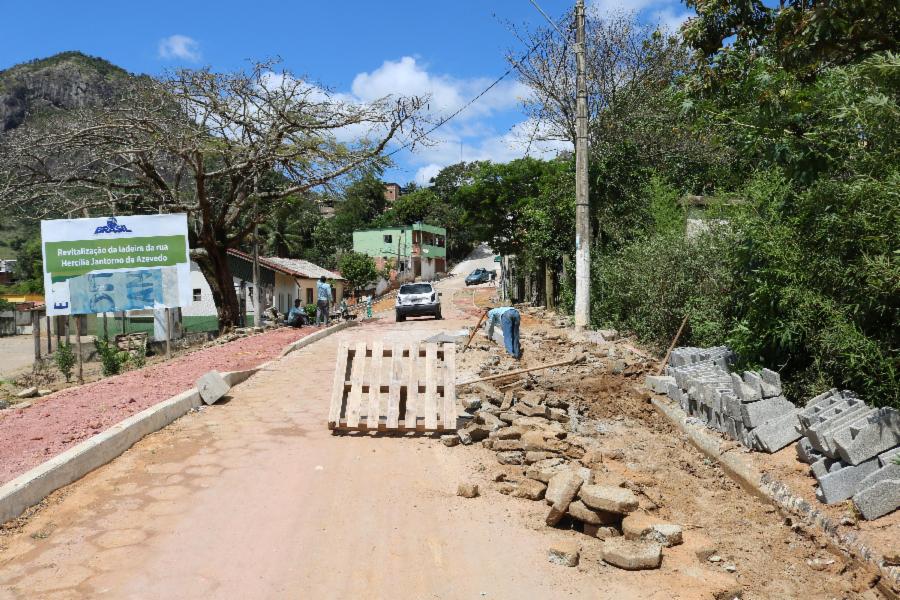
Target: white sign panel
pixel 110 264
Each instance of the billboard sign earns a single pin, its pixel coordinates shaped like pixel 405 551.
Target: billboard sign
pixel 110 264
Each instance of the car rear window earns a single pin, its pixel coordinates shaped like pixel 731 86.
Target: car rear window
pixel 416 288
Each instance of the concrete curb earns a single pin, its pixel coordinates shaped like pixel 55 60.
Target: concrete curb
pixel 768 489
pixel 315 337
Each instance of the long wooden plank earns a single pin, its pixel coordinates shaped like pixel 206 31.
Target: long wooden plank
pixel 411 372
pixel 450 408
pixel 373 413
pixel 337 389
pixel 393 411
pixel 431 401
pixel 357 378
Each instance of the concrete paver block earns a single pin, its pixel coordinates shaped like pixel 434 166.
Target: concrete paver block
pixel 658 383
pixel 842 484
pixel 878 500
pixel 755 414
pixel 879 432
pixel 888 457
pixel 212 386
pixel 891 471
pixel 775 434
pixel 771 383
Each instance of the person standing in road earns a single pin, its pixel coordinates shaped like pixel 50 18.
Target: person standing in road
pixel 323 301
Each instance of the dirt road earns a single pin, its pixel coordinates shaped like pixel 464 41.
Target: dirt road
pixel 16 354
pixel 255 498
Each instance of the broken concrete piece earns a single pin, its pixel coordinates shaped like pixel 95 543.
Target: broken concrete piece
pixel 465 437
pixel 562 489
pixel 530 489
pixel 878 500
pixel 632 555
pixel 509 433
pixel 564 553
pixel 507 445
pixel 535 456
pixel 513 457
pixel 543 470
pixel 471 404
pixel 608 498
pixel 580 511
pixel 212 386
pixel 450 440
pixel 467 490
pixel 638 526
pixel 600 532
pixel 28 393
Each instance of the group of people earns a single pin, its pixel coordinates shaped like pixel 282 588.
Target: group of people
pixel 297 316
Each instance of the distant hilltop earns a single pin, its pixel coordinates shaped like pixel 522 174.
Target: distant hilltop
pixel 65 81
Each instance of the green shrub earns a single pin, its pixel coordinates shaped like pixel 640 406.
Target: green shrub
pixel 649 286
pixel 65 360
pixel 111 358
pixel 310 312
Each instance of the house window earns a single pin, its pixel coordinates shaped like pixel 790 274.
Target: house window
pixel 198 294
pixel 388 238
pixel 309 295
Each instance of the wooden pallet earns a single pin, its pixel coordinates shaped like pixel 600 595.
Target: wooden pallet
pixel 395 387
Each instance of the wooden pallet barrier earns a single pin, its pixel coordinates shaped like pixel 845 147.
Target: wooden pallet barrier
pixel 396 387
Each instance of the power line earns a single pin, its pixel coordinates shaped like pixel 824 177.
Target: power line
pixel 549 20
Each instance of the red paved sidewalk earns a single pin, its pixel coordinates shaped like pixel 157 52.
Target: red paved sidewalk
pixel 30 436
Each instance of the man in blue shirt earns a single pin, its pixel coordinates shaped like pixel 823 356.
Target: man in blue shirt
pixel 323 301
pixel 509 320
pixel 296 317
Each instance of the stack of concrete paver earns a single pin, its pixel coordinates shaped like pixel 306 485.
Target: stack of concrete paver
pixel 749 409
pixel 851 449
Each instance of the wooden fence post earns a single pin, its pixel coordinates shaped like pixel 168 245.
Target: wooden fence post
pixel 36 333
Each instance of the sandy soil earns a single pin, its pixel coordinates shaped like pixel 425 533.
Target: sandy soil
pixel 54 423
pixel 16 354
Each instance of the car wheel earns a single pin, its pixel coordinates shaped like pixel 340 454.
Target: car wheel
pixel 400 318
pixel 437 315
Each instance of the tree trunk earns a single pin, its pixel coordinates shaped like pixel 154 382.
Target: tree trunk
pixel 548 284
pixel 214 266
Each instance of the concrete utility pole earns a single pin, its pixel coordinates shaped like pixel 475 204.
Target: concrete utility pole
pixel 582 203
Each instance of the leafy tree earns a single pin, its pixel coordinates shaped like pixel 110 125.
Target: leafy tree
pixel 358 269
pixel 226 148
pixel 362 201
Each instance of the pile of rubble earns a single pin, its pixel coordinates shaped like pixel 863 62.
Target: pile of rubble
pixel 565 470
pixel 748 409
pixel 853 450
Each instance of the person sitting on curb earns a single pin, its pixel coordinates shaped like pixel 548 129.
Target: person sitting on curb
pixel 296 317
pixel 509 320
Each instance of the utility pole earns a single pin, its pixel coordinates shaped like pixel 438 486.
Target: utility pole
pixel 257 312
pixel 582 202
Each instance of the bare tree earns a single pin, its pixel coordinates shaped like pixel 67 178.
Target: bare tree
pixel 227 149
pixel 624 59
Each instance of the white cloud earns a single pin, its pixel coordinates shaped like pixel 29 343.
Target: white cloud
pixel 180 47
pixel 669 14
pixel 424 174
pixel 408 77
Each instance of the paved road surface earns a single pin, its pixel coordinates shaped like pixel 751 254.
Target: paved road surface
pixel 255 498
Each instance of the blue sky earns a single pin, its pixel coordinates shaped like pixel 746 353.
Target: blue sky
pixel 450 50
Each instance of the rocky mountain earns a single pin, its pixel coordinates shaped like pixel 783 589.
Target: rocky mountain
pixel 65 81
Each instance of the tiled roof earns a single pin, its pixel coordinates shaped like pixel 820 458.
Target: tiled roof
pixel 290 266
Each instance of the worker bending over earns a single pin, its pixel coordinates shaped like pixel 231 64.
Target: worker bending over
pixel 509 319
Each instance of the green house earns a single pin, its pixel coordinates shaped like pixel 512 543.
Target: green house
pixel 416 250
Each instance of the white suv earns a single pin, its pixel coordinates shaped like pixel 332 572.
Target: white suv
pixel 417 299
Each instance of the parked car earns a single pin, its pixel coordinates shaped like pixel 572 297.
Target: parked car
pixel 416 300
pixel 478 276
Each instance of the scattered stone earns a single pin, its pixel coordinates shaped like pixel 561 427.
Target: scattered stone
pixel 632 555
pixel 28 393
pixel 715 558
pixel 509 433
pixel 816 564
pixel 467 490
pixel 704 547
pixel 601 532
pixel 450 440
pixel 730 568
pixel 471 404
pixel 608 498
pixel 507 445
pixel 564 553
pixel 543 470
pixel 562 488
pixel 212 386
pixel 44 392
pixel 530 489
pixel 535 456
pixel 513 457
pixel 487 419
pixel 464 437
pixel 644 527
pixel 580 511
pixel 506 488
